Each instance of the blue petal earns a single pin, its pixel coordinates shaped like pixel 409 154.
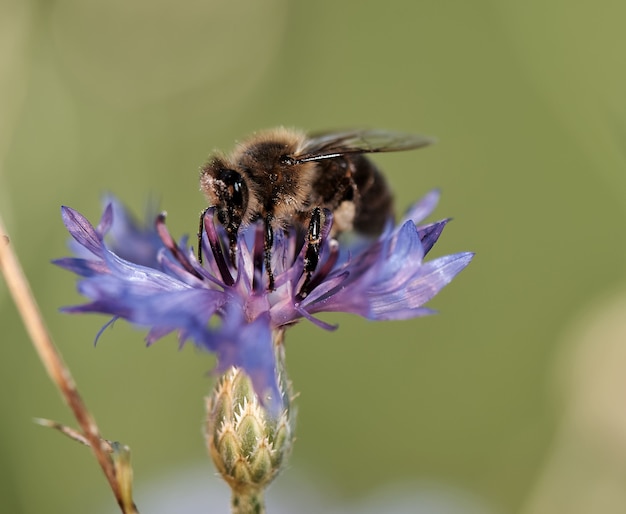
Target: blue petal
pixel 392 282
pixel 134 242
pixel 406 302
pixel 82 231
pixel 82 267
pixel 429 234
pixel 421 209
pixel 250 346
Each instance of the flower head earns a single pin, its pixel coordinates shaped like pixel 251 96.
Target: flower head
pixel 227 309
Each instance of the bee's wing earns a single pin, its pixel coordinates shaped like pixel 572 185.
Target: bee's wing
pixel 327 145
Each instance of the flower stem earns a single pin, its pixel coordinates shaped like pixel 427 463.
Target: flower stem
pixel 249 502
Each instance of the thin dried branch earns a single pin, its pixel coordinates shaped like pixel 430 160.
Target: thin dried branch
pixel 56 368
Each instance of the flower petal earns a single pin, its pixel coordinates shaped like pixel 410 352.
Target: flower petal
pixel 250 346
pixel 393 283
pixel 429 234
pixel 421 209
pixel 406 302
pixel 131 240
pixel 82 231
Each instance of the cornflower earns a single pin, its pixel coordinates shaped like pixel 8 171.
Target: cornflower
pixel 141 274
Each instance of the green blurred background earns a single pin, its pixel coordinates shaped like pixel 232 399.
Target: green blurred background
pixel 512 393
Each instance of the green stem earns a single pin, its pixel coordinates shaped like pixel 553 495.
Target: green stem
pixel 251 502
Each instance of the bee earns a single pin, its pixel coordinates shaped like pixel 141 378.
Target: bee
pixel 287 178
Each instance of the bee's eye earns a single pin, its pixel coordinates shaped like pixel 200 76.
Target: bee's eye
pixel 235 187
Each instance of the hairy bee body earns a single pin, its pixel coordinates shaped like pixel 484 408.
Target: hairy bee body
pixel 283 176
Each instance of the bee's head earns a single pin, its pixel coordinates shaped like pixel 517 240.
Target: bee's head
pixel 226 189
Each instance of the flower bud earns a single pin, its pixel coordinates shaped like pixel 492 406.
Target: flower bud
pixel 247 444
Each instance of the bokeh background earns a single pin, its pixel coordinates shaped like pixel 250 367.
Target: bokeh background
pixel 511 399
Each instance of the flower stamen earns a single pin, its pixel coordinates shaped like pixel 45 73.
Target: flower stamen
pixel 216 247
pixel 171 245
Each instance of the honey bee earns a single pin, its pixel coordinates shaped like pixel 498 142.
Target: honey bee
pixel 287 178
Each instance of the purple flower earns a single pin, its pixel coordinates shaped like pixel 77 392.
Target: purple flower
pixel 160 285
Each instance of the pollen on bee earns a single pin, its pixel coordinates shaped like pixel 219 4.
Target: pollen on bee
pixel 343 217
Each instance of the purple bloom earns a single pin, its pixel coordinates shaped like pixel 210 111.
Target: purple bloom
pixel 160 285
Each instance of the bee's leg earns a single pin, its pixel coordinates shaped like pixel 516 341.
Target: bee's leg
pixel 200 231
pixel 314 241
pixel 267 250
pixel 232 245
pixel 314 272
pixel 230 219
